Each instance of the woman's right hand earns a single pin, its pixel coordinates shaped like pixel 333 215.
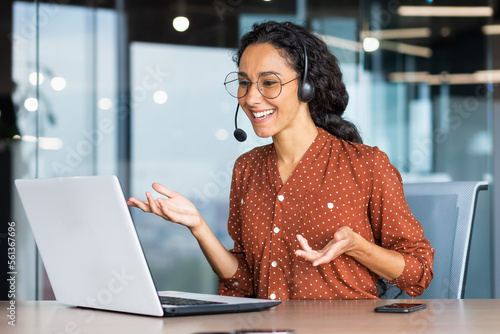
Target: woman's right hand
pixel 175 208
pixel 178 209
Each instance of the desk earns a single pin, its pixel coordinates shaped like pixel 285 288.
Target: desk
pixel 306 317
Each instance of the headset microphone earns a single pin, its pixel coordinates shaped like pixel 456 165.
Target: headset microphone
pixel 239 134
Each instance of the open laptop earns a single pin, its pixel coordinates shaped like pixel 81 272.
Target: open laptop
pixel 92 254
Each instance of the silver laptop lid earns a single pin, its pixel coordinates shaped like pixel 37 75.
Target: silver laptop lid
pixel 88 243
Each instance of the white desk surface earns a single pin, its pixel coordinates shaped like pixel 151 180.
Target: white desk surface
pixel 315 317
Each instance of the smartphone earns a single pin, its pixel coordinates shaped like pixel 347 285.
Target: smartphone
pixel 400 307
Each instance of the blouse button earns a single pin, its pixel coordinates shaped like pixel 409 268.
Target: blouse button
pixel 276 229
pixel 236 283
pixel 281 198
pixel 272 296
pixel 330 205
pixel 274 264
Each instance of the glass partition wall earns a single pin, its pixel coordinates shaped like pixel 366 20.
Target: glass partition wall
pixel 135 89
pixel 67 116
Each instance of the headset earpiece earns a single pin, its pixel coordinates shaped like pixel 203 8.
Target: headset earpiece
pixel 305 90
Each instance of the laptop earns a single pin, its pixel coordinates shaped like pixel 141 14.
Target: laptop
pixel 92 254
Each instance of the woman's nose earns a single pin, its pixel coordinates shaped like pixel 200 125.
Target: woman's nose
pixel 253 95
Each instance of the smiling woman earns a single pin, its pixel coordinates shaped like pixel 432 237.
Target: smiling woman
pixel 301 150
pixel 316 214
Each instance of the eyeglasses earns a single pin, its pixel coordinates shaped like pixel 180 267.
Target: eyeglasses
pixel 268 84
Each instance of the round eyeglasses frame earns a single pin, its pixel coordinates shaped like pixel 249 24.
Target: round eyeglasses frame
pixel 250 83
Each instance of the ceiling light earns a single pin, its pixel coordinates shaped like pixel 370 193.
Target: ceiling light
pixel 31 104
pixel 46 143
pixel 340 42
pixel 492 76
pixel 399 33
pixel 105 103
pixel 180 23
pixel 160 97
pixel 445 31
pixel 58 83
pixel 370 44
pixel 413 50
pixel 445 11
pixel 408 76
pixel 32 78
pixel 479 77
pixel 491 29
pixel 409 49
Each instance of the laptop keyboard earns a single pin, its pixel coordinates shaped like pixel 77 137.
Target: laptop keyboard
pixel 176 301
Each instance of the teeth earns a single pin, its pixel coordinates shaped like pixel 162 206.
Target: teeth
pixel 263 113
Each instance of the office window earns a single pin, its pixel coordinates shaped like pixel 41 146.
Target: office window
pixel 67 118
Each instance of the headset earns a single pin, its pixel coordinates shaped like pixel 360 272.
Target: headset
pixel 305 90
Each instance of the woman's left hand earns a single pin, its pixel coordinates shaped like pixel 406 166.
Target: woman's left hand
pixel 344 241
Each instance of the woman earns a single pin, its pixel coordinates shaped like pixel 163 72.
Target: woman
pixel 316 214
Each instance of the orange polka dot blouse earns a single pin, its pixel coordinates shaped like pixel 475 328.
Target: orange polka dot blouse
pixel 336 183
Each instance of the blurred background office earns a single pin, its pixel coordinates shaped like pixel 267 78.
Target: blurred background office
pixel 135 88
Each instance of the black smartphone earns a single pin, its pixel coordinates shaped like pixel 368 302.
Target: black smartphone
pixel 400 307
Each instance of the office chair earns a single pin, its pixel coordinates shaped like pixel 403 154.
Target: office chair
pixel 446 212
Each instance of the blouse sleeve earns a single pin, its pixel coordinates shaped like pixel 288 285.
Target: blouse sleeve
pixel 241 284
pixel 395 227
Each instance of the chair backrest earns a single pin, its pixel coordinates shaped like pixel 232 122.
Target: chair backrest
pixel 446 212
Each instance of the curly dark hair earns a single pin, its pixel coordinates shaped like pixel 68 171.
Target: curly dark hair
pixel 330 98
